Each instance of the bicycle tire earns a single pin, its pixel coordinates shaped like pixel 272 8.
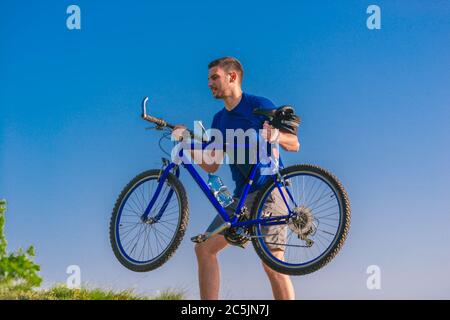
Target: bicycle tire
pixel 183 220
pixel 341 234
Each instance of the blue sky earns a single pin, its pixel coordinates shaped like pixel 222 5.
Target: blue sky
pixel 374 104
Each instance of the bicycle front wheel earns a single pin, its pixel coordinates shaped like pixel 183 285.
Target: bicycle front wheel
pixel 144 246
pixel 317 227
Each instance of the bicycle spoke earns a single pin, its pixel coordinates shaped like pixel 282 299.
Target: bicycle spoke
pixel 127 245
pixel 135 197
pixel 331 234
pixel 149 242
pixel 323 210
pixel 132 203
pixel 166 227
pixel 163 221
pixel 323 203
pixel 145 240
pixel 323 217
pixel 162 239
pixel 142 196
pixel 321 196
pixel 135 213
pixel 127 232
pixel 317 189
pixel 162 233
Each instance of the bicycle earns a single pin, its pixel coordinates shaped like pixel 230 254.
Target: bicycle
pixel 151 214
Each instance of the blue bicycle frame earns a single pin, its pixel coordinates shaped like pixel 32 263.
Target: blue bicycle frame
pixel 221 210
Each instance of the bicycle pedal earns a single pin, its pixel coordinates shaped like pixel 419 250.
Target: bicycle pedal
pixel 243 246
pixel 199 238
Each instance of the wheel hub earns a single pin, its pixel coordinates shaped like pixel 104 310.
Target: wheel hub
pixel 302 222
pixel 149 220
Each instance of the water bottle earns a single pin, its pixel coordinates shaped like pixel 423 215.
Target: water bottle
pixel 219 190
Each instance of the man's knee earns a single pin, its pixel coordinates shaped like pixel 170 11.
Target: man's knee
pixel 208 248
pixel 202 249
pixel 270 272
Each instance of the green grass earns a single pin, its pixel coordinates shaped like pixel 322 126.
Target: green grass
pixel 61 292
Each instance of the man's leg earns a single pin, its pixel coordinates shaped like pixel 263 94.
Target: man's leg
pixel 282 287
pixel 208 266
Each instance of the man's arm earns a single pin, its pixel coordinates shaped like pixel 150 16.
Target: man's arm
pixel 287 141
pixel 208 160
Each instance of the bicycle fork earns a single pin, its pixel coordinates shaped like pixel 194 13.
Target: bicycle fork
pixel 163 174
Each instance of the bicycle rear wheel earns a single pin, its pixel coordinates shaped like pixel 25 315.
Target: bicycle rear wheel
pixel 144 246
pixel 317 229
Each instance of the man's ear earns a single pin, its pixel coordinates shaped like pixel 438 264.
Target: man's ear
pixel 233 76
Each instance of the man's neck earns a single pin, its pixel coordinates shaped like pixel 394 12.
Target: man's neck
pixel 232 101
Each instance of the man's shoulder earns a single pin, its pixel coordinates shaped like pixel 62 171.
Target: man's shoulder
pixel 260 102
pixel 217 114
pixel 216 119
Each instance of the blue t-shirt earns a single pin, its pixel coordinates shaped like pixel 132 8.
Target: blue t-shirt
pixel 242 117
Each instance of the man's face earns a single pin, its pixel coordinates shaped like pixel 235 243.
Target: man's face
pixel 220 82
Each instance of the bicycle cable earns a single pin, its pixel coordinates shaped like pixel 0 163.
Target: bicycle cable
pixel 164 136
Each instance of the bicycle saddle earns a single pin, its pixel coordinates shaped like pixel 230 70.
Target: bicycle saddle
pixel 282 118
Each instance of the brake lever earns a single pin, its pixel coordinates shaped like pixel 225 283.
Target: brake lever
pixel 155 128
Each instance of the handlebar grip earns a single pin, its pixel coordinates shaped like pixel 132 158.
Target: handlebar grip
pixel 157 121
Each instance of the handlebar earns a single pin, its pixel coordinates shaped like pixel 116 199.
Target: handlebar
pixel 162 123
pixel 157 121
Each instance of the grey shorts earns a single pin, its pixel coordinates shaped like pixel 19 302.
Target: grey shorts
pixel 274 205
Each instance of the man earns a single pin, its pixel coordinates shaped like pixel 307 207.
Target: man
pixel 225 80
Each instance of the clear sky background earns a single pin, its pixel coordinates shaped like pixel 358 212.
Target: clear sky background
pixel 375 106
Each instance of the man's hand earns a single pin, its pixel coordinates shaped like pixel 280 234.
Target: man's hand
pixel 269 133
pixel 287 141
pixel 208 160
pixel 178 132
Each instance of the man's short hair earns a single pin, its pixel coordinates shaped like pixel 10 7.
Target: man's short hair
pixel 228 64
